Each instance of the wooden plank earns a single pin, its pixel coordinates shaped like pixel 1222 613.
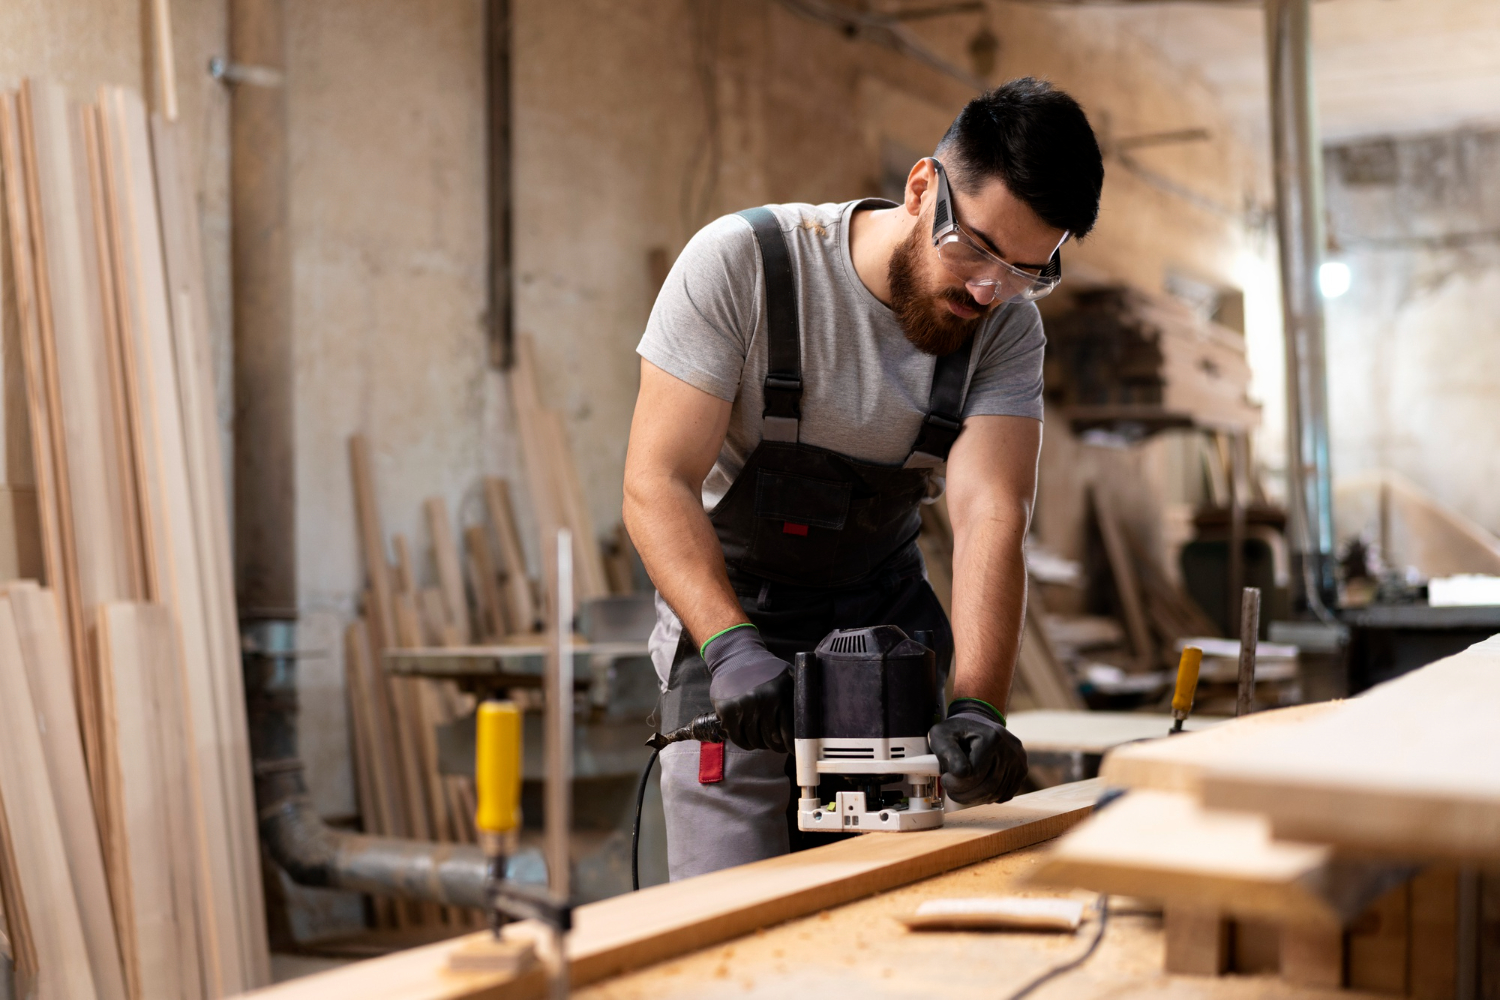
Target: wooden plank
pixel 592 580
pixel 18 935
pixel 1046 677
pixel 493 625
pixel 153 889
pixel 1162 845
pixel 1123 570
pixel 36 837
pixel 40 632
pixel 521 601
pixel 450 574
pixel 405 580
pixel 195 383
pixel 44 429
pixel 373 750
pixel 1179 764
pixel 662 921
pixel 1411 768
pixel 380 615
pixel 436 628
pixel 182 569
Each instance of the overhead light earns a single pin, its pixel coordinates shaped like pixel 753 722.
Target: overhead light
pixel 1333 279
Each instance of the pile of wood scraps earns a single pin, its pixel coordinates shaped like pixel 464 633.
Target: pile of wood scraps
pixel 1335 844
pixel 125 725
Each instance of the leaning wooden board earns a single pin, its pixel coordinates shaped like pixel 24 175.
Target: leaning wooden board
pixel 663 921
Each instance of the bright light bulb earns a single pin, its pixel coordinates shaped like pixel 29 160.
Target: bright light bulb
pixel 1333 279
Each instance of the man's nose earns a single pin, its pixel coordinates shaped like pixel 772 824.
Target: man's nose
pixel 983 294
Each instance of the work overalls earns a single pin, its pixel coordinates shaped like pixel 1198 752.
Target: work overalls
pixel 814 540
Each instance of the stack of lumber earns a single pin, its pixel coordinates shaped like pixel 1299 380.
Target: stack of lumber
pixel 663 921
pixel 1042 680
pixel 1120 355
pixel 1327 838
pixel 121 683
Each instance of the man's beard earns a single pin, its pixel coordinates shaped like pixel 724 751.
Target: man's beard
pixel 930 326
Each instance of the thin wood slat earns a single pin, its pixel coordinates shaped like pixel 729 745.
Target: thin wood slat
pixel 640 928
pixel 34 826
pixel 39 630
pixel 518 594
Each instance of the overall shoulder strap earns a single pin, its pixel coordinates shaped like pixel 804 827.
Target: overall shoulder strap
pixel 783 385
pixel 945 408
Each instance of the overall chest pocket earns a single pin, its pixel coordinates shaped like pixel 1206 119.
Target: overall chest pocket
pixel 801 501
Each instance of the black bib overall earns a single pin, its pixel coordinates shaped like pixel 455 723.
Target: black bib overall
pixel 815 540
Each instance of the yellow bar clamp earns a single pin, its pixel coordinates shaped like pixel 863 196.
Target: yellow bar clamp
pixel 497 767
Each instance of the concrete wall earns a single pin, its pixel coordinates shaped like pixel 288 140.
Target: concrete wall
pixel 1414 346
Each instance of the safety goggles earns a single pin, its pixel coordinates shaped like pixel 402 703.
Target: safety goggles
pixel 974 265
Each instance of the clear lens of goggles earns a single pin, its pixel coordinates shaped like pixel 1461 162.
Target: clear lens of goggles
pixel 1010 284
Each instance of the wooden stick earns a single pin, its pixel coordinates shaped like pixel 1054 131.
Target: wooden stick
pixel 445 555
pixel 518 595
pixel 1126 584
pixel 486 585
pixel 1249 621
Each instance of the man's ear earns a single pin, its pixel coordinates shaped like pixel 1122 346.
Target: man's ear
pixel 918 183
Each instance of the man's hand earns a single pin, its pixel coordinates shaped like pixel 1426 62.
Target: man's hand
pixel 751 689
pixel 982 761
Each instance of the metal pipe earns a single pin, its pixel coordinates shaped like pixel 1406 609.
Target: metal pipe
pixel 1297 166
pixel 265 536
pixel 310 851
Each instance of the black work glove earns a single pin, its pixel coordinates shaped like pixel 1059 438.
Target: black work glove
pixel 751 689
pixel 982 761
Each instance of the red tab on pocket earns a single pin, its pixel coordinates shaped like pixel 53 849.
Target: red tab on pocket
pixel 793 528
pixel 710 763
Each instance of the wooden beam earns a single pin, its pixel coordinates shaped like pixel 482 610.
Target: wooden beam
pixel 1127 585
pixel 522 603
pixel 660 922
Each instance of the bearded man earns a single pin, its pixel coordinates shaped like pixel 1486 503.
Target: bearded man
pixel 810 375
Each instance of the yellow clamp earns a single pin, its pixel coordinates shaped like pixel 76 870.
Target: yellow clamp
pixel 497 767
pixel 1187 681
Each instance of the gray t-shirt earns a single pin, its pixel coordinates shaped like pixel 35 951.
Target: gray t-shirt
pixel 864 386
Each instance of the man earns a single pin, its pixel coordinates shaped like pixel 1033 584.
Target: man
pixel 805 374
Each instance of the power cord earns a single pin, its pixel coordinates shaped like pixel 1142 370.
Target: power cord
pixel 1053 973
pixel 635 831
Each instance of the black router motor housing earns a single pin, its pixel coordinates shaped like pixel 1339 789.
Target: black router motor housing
pixel 863 703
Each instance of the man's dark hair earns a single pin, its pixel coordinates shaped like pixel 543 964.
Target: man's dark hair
pixel 1037 140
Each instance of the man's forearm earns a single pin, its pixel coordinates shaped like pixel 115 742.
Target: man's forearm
pixel 682 554
pixel 989 605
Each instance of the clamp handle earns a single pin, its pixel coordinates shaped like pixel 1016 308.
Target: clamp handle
pixel 1187 685
pixel 497 767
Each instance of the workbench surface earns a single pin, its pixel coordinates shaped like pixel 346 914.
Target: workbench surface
pixel 861 950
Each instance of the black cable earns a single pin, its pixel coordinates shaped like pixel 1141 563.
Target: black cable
pixel 635 831
pixel 1053 973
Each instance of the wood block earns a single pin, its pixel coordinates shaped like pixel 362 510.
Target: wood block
pixel 1378 943
pixel 1256 946
pixel 1312 955
pixel 1434 933
pixel 1197 941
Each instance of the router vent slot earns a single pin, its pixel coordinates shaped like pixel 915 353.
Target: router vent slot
pixel 848 643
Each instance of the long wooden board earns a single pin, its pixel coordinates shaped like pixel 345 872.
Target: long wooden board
pixel 150 805
pixel 450 574
pixel 181 566
pixel 663 921
pixel 40 631
pixel 523 612
pixel 35 830
pixel 1410 768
